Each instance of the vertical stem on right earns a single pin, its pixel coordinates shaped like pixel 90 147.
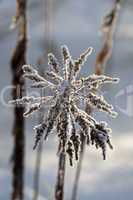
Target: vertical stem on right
pixel 108 30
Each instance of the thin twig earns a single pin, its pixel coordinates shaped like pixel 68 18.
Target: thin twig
pixel 48 42
pixel 18 59
pixel 37 171
pixel 36 177
pixel 59 190
pixel 78 171
pixel 49 12
pixel 108 30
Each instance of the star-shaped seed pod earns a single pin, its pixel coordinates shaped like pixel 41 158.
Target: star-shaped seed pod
pixel 64 114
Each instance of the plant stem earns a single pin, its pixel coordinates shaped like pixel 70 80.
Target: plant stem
pixel 18 59
pixel 101 61
pixel 37 171
pixel 59 190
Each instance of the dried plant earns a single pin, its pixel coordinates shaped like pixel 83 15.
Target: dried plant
pixel 17 60
pixel 64 112
pixel 108 29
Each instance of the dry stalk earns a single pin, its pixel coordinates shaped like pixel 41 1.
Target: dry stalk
pixel 108 29
pixel 37 171
pixel 48 46
pixel 18 59
pixel 59 189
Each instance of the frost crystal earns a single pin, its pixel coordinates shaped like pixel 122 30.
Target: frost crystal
pixel 64 112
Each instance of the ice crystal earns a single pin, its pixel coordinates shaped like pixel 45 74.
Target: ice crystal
pixel 64 114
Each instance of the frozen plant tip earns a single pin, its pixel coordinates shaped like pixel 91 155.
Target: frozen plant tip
pixel 64 114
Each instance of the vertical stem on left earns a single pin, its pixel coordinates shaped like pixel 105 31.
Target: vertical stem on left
pixel 18 59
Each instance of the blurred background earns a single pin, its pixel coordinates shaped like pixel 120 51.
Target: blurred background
pixel 75 23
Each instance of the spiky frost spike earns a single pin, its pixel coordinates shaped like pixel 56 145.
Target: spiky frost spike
pixel 78 112
pixel 52 61
pixel 81 60
pixel 74 137
pixel 100 137
pixel 33 107
pixel 23 100
pixel 76 143
pixel 67 60
pixel 62 129
pixel 65 54
pixel 43 84
pixel 39 129
pixel 33 103
pixel 52 75
pixel 70 152
pixel 29 69
pixel 71 70
pixel 63 106
pixel 100 103
pixel 31 73
pixel 94 81
pixel 52 117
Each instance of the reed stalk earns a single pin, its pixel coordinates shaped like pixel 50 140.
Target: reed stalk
pixel 108 29
pixel 18 59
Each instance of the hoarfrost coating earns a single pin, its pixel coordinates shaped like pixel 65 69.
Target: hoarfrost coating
pixel 64 112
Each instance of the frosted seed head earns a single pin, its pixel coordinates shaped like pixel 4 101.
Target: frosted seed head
pixel 65 112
